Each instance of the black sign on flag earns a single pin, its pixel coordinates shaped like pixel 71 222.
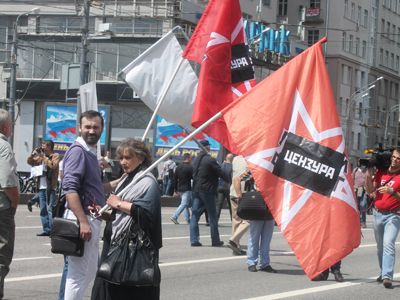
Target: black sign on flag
pixel 241 64
pixel 308 164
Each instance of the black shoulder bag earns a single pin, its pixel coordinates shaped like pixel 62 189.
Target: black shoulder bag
pixel 131 259
pixel 252 207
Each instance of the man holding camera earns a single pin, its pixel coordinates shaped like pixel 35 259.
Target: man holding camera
pixel 48 180
pixel 385 186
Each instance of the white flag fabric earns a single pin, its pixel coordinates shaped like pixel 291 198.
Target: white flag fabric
pixel 88 96
pixel 149 74
pixel 88 101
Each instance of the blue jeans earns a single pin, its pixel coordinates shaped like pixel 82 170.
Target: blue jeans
pixel 167 186
pixel 386 229
pixel 44 215
pixel 51 194
pixel 203 200
pixel 186 197
pixel 61 291
pixel 259 240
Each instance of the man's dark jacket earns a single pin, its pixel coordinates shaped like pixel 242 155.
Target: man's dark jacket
pixel 206 172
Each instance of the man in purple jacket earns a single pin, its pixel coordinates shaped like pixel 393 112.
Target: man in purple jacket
pixel 84 190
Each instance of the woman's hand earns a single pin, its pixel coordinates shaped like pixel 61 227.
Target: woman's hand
pixel 114 201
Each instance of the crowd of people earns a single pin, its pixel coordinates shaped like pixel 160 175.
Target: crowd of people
pixel 203 185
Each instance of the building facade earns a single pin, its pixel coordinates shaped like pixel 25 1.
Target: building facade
pixel 362 56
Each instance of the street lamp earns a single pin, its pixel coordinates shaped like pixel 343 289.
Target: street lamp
pixel 13 73
pixel 362 92
pixel 385 136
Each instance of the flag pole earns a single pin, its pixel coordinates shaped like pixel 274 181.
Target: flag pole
pixel 164 93
pixel 191 135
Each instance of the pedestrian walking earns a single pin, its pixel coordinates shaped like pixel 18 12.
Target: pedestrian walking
pixel 206 172
pixel 240 174
pixel 168 176
pixel 183 187
pixel 224 186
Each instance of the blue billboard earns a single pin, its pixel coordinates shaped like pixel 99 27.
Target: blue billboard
pixel 60 125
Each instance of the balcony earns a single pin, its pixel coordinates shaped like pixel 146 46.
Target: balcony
pixel 312 15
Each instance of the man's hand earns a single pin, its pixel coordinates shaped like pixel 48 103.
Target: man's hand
pixel 86 231
pixel 386 189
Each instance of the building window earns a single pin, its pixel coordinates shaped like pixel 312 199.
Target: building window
pixel 357 46
pixel 346 8
pixel 381 56
pixel 359 15
pixel 360 110
pixel 392 60
pixel 364 49
pixel 351 43
pixel 353 11
pixel 358 141
pixel 313 37
pixel 398 35
pixel 386 58
pixel 315 3
pixel 266 2
pixel 344 41
pixel 365 18
pixel 383 25
pixel 397 63
pixel 282 8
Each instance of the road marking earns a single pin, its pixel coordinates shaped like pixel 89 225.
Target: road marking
pixel 200 261
pixel 28 227
pixel 315 289
pixel 203 236
pixel 31 258
pixel 36 277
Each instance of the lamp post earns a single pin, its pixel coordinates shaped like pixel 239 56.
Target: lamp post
pixel 13 73
pixel 364 91
pixel 385 136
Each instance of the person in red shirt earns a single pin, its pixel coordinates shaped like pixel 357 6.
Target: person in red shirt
pixel 386 187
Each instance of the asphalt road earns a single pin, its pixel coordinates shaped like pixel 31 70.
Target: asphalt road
pixel 203 272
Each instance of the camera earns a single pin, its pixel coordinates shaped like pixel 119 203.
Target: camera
pixel 37 151
pixel 380 158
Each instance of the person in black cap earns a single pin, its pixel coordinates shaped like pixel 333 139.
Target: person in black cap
pixel 206 172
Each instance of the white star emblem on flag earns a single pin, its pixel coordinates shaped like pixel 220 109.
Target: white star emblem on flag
pixel 263 159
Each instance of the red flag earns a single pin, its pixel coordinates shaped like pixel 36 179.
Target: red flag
pixel 219 45
pixel 288 130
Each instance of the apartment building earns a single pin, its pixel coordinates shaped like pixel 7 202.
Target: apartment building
pixel 362 56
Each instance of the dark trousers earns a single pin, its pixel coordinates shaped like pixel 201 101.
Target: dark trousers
pixel 7 237
pixel 223 195
pixel 204 200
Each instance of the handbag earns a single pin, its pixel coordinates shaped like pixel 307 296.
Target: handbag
pixel 252 207
pixel 131 259
pixel 65 237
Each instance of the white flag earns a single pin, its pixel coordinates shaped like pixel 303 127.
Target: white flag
pixel 149 74
pixel 88 96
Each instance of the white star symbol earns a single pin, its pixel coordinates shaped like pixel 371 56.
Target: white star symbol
pixel 263 159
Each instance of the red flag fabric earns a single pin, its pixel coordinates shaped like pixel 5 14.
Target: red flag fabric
pixel 219 45
pixel 288 130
